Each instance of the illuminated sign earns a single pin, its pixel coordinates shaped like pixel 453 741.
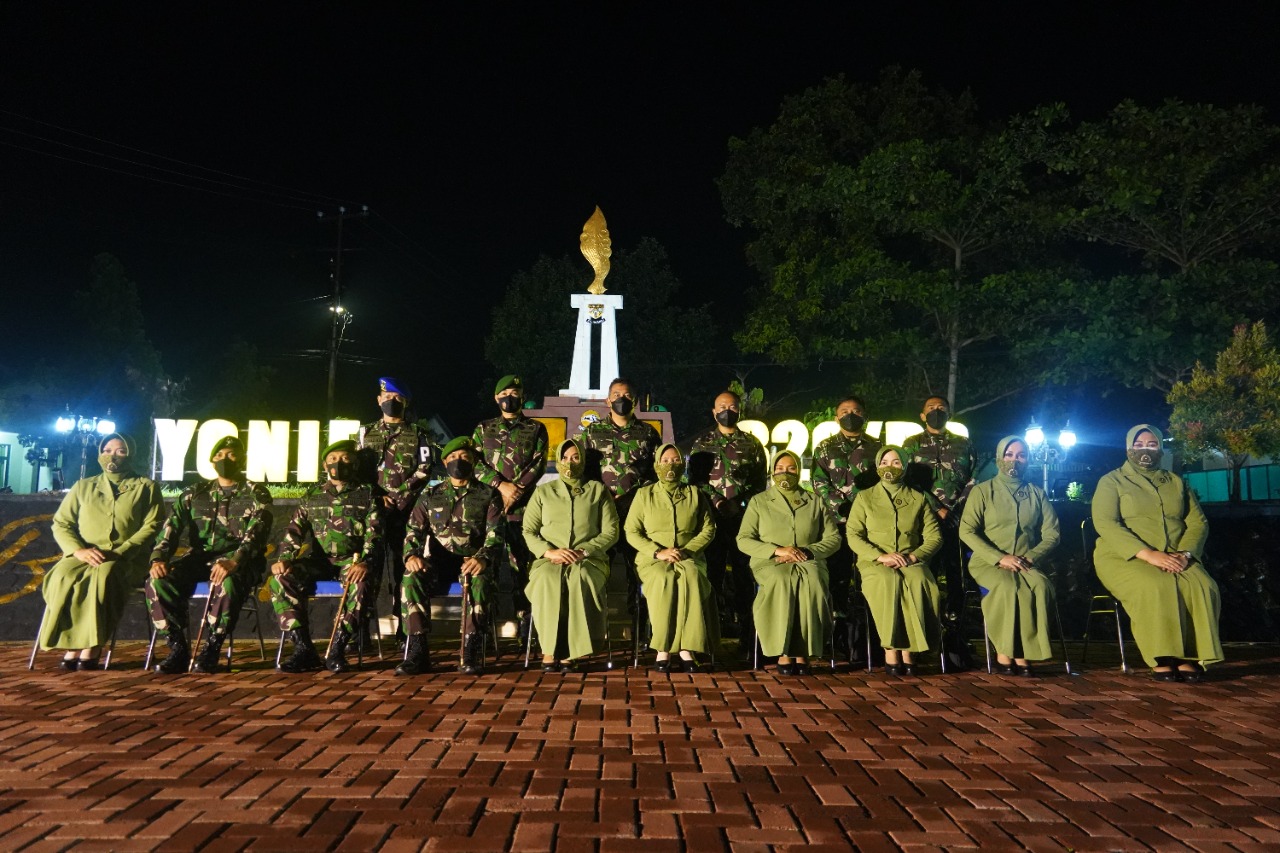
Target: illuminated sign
pixel 269 445
pixel 795 436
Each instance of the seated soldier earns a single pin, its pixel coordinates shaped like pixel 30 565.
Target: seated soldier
pixel 335 534
pixel 455 528
pixel 228 522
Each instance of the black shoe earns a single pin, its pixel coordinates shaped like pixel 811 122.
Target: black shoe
pixel 800 668
pixel 568 667
pixel 786 669
pixel 551 666
pixel 69 664
pixel 304 658
pixel 1024 671
pixel 207 660
pixel 663 666
pixel 690 665
pixel 335 659
pixel 473 653
pixel 1004 669
pixel 894 669
pixel 1167 677
pixel 88 664
pixel 1192 676
pixel 179 659
pixel 907 670
pixel 418 659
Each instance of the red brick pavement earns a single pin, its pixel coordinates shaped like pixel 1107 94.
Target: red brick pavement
pixel 629 760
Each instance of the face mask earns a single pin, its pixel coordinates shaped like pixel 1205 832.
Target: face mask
pixel 669 472
pixel 622 406
pixel 1011 468
pixel 111 463
pixel 890 474
pixel 851 422
pixel 937 419
pixel 727 418
pixel 459 469
pixel 392 408
pixel 570 470
pixel 1147 458
pixel 227 468
pixel 788 481
pixel 509 404
pixel 341 471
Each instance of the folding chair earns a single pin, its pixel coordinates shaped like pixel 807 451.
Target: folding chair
pixel 202 591
pixel 1100 604
pixel 641 622
pixel 866 612
pixel 106 660
pixel 455 591
pixel 757 652
pixel 986 637
pixel 533 627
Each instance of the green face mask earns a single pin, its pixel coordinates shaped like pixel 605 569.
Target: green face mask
pixel 112 464
pixel 570 470
pixel 890 473
pixel 788 481
pixel 1011 468
pixel 1146 458
pixel 669 472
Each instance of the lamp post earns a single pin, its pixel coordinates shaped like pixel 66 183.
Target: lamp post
pixel 84 429
pixel 1041 452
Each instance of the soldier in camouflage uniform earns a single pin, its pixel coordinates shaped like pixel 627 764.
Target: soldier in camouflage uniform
pixel 228 522
pixel 399 456
pixel 512 458
pixel 844 464
pixel 335 534
pixel 455 529
pixel 620 454
pixel 941 464
pixel 729 466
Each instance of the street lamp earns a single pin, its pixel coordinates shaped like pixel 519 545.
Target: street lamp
pixel 84 429
pixel 1041 452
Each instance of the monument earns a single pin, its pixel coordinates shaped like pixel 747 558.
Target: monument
pixel 595 340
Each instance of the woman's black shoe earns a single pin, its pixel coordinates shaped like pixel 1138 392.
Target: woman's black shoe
pixel 551 667
pixel 69 664
pixel 1005 669
pixel 800 668
pixel 907 669
pixel 568 666
pixel 893 669
pixel 1192 676
pixel 1024 671
pixel 786 669
pixel 1166 677
pixel 690 665
pixel 663 666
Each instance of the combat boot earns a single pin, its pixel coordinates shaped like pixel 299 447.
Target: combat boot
pixel 179 653
pixel 207 659
pixel 304 658
pixel 335 659
pixel 417 659
pixel 473 653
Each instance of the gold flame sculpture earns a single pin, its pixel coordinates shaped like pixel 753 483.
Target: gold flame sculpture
pixel 597 248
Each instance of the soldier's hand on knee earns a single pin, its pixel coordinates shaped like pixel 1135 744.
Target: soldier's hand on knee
pixel 159 569
pixel 472 567
pixel 279 568
pixel 221 570
pixel 415 564
pixel 357 572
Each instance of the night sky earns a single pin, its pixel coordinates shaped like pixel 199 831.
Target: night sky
pixel 196 143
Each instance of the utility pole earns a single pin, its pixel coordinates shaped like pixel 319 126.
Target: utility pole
pixel 341 316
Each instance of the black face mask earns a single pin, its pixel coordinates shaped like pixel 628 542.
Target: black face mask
pixel 392 408
pixel 342 471
pixel 937 418
pixel 622 406
pixel 852 422
pixel 727 417
pixel 509 403
pixel 459 469
pixel 227 469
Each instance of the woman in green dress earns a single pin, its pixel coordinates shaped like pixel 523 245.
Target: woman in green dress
pixel 670 526
pixel 893 532
pixel 1151 535
pixel 1011 527
pixel 105 527
pixel 569 526
pixel 788 534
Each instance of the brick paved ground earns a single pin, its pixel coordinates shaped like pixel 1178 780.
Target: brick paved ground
pixel 627 760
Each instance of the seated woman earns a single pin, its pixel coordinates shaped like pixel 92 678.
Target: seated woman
pixel 788 534
pixel 569 526
pixel 105 527
pixel 1011 527
pixel 893 532
pixel 1151 535
pixel 670 526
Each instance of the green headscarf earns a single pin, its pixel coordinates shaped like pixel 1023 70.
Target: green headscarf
pixel 902 472
pixel 788 485
pixel 571 473
pixel 1006 470
pixel 663 469
pixel 1136 458
pixel 125 468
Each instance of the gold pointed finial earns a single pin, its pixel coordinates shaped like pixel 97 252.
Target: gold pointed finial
pixel 597 248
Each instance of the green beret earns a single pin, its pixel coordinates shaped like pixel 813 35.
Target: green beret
pixel 462 442
pixel 347 444
pixel 508 381
pixel 227 441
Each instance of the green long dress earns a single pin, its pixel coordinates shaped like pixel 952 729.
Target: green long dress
pixel 893 518
pixel 1008 515
pixel 120 513
pixel 1172 615
pixel 678 595
pixel 791 612
pixel 569 602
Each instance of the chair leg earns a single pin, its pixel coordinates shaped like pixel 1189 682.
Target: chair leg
pixel 280 649
pixel 755 650
pixel 942 654
pixel 1124 664
pixel 257 627
pixel 151 650
pixel 866 615
pixel 831 640
pixel 1062 636
pixel 377 627
pixel 608 639
pixel 106 660
pixel 528 642
pixel 986 642
pixel 35 645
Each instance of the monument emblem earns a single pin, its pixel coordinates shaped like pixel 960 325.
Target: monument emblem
pixel 596 309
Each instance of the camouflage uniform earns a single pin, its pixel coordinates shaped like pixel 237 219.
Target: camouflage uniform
pixel 401 458
pixel 330 531
pixel 512 451
pixel 730 470
pixel 234 523
pixel 622 458
pixel 942 467
pixel 448 524
pixel 842 466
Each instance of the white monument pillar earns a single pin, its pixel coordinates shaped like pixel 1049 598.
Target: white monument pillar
pixel 594 310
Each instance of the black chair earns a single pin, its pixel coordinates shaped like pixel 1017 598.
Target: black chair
pixel 250 606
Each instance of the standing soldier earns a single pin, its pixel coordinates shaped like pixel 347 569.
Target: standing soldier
pixel 942 464
pixel 728 465
pixel 335 534
pixel 228 522
pixel 455 528
pixel 512 458
pixel 842 465
pixel 620 454
pixel 402 458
